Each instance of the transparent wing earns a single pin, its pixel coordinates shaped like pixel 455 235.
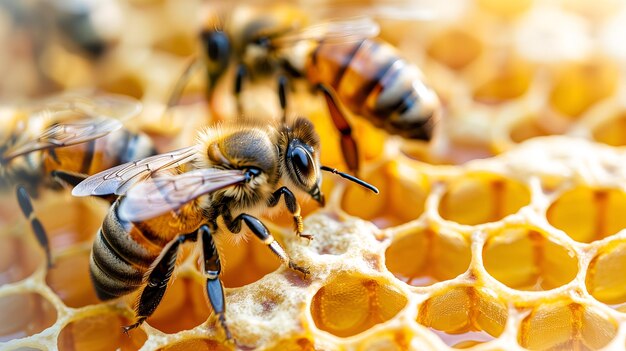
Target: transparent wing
pixel 65 134
pixel 162 194
pixel 119 179
pixel 344 30
pixel 107 105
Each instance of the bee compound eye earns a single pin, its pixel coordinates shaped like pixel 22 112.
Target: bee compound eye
pixel 217 45
pixel 302 163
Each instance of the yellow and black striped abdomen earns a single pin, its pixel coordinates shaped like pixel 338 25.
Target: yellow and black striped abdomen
pixel 373 81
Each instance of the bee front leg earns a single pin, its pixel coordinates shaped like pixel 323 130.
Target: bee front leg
pixel 293 207
pixel 282 95
pixel 260 230
pixel 156 283
pixel 24 200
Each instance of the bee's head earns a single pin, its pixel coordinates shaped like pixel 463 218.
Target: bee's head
pixel 302 161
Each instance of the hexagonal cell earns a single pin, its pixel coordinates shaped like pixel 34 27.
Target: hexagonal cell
pixel 579 85
pixel 183 307
pixel 588 214
pixel 24 314
pixel 100 332
pixel 350 304
pixel 464 316
pixel 525 258
pixel 612 131
pixel 477 198
pixel 69 279
pixel 18 259
pixel 455 48
pixel 605 276
pixel 403 192
pixel 502 81
pixel 566 326
pixel 197 345
pixel 421 256
pixel 527 128
pixel 245 261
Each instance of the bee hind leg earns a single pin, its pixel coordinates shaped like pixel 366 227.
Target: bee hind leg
pixel 157 280
pixel 293 207
pixel 26 205
pixel 349 147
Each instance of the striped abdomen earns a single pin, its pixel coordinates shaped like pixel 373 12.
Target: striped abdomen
pixel 373 81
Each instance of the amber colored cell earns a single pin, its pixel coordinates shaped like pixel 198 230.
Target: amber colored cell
pixel 125 85
pixel 612 132
pixel 588 214
pixel 421 257
pixel 183 307
pixel 505 8
pixel 177 44
pixel 196 345
pixel 24 315
pixel 526 129
pixel 605 277
pixel 349 305
pixel 504 81
pixel 454 48
pixel 18 259
pixel 481 197
pixel 562 326
pixel 578 86
pixel 69 279
pixel 464 315
pixel 403 192
pixel 99 333
pixel 299 344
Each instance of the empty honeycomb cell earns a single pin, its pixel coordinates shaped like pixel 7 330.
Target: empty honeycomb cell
pixel 478 198
pixel 587 214
pixel 421 257
pixel 578 86
pixel 349 304
pixel 69 279
pixel 99 333
pixel 183 307
pixel 504 81
pixel 245 261
pixel 18 259
pixel 605 277
pixel 526 259
pixel 196 345
pixel 464 315
pixel 455 48
pixel 612 131
pixel 24 314
pixel 566 326
pixel 403 192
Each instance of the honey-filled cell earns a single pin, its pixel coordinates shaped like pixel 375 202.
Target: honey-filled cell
pixel 455 48
pixel 18 258
pixel 421 256
pixel 527 128
pixel 502 81
pixel 589 214
pixel 612 131
pixel 196 345
pixel 566 326
pixel 478 198
pixel 99 333
pixel 24 314
pixel 69 279
pixel 525 258
pixel 349 304
pixel 464 316
pixel 605 276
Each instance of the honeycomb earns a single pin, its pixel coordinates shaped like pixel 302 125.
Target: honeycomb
pixel 504 233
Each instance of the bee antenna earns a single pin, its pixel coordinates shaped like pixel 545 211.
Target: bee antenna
pixel 350 178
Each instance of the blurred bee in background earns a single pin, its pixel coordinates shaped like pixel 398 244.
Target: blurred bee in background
pixel 340 58
pixel 62 140
pixel 234 172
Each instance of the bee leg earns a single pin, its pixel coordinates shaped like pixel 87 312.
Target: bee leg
pixel 24 200
pixel 349 147
pixel 240 75
pixel 260 230
pixel 156 283
pixel 293 207
pixel 282 95
pixel 212 269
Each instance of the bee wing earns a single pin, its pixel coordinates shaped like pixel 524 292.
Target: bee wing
pixel 109 105
pixel 344 30
pixel 65 134
pixel 119 179
pixel 162 194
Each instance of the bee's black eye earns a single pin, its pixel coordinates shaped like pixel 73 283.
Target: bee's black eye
pixel 217 45
pixel 302 162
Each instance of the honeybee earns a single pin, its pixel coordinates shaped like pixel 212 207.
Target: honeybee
pixel 341 58
pixel 62 140
pixel 233 172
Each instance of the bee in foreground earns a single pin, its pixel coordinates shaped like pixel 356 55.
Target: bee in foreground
pixel 62 140
pixel 234 172
pixel 340 58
